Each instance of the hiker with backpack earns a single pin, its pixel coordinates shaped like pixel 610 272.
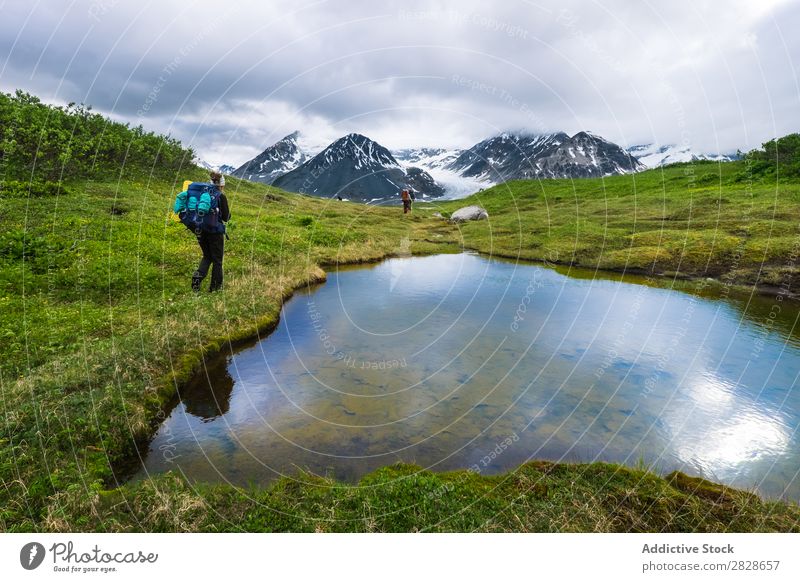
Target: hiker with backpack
pixel 406 198
pixel 203 208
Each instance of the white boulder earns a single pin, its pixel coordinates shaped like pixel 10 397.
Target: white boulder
pixel 469 213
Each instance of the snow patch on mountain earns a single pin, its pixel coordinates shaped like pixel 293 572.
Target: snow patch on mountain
pixel 222 168
pixel 428 158
pixel 654 155
pixel 359 168
pixel 514 156
pixel 278 159
pixel 457 186
pixel 435 162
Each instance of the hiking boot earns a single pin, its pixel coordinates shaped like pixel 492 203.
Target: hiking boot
pixel 197 280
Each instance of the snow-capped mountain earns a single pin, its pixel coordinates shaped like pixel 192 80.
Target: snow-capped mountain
pixel 278 159
pixel 357 168
pixel 223 168
pixel 511 156
pixel 654 156
pixel 435 162
pixel 427 158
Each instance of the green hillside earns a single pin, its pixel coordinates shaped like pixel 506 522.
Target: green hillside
pixel 98 324
pixel 730 221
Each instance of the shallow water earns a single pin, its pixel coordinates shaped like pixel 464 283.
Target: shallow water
pixel 458 361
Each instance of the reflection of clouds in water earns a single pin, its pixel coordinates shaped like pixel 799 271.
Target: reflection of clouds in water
pixel 436 272
pixel 413 280
pixel 710 392
pixel 397 267
pixel 745 438
pixel 469 381
pixel 739 431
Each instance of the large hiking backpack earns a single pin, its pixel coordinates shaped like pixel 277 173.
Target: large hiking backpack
pixel 198 208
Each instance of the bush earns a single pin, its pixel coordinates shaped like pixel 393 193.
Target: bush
pixel 36 189
pixel 778 157
pixel 40 142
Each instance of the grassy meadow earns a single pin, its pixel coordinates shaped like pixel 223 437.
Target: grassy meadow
pixel 99 322
pixel 99 326
pixel 701 219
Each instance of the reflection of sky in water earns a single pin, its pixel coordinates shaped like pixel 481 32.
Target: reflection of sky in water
pixel 417 360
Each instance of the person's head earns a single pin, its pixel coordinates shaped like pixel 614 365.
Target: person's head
pixel 217 179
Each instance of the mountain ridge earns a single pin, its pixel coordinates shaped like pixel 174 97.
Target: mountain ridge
pixel 278 159
pixel 510 156
pixel 357 167
pixel 454 173
pixel 655 155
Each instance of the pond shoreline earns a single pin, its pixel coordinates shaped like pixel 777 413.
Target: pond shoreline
pixel 760 289
pixel 190 365
pixel 537 496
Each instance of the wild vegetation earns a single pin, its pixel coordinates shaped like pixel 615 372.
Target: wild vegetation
pixel 778 159
pixel 731 221
pixel 42 143
pixel 99 325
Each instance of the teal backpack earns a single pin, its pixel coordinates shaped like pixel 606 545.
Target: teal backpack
pixel 198 208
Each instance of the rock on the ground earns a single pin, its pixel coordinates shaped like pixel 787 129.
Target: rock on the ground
pixel 469 213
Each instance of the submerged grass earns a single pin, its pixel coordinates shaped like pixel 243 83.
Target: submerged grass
pixel 99 326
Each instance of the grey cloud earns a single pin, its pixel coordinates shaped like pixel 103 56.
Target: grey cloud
pixel 230 79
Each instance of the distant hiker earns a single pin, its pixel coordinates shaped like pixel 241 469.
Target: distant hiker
pixel 413 197
pixel 203 208
pixel 406 197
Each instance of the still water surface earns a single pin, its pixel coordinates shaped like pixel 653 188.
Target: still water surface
pixel 459 361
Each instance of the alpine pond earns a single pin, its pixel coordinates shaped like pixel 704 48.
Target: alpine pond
pixel 459 361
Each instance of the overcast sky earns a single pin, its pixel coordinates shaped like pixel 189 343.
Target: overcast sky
pixel 231 80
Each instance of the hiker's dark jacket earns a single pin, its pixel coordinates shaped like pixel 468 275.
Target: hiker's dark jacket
pixel 224 211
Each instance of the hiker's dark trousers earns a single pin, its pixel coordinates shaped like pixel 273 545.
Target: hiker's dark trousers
pixel 213 247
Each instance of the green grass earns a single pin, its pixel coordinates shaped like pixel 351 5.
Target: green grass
pixel 692 220
pixel 98 325
pixel 536 497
